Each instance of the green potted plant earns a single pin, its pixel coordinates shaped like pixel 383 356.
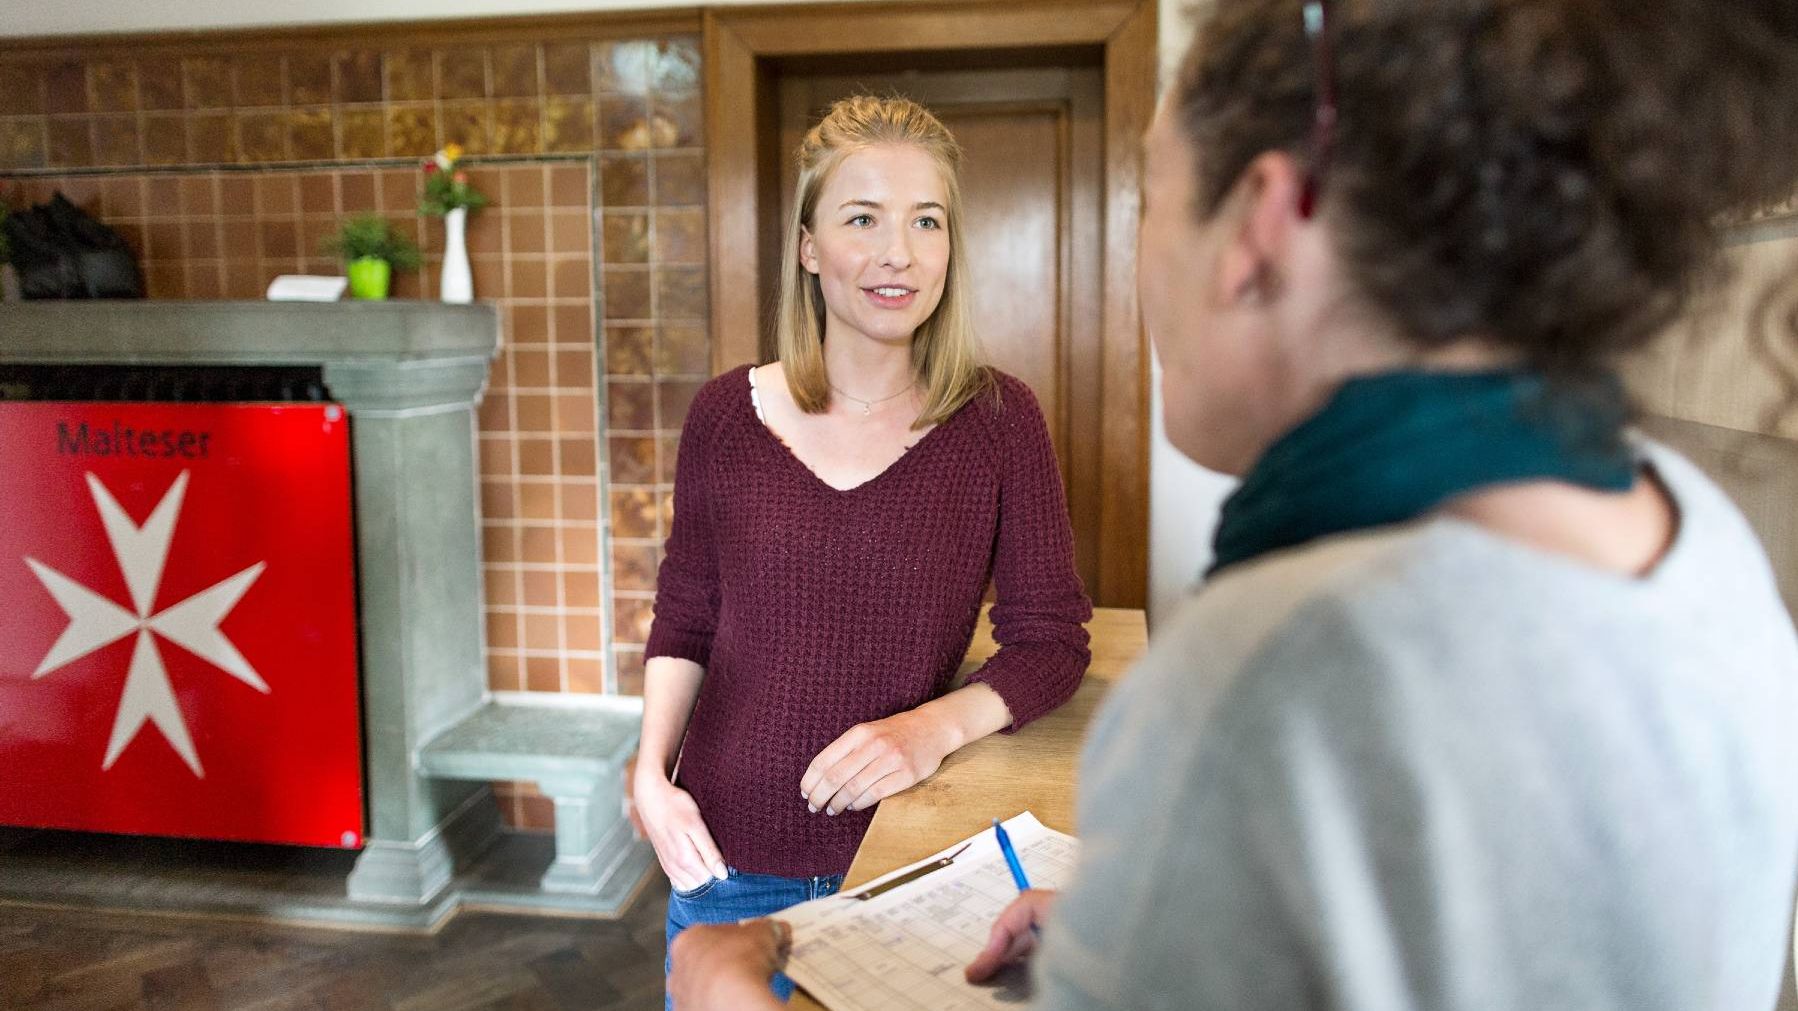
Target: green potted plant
pixel 370 250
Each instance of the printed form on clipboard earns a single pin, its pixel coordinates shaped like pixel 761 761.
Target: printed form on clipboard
pixel 901 941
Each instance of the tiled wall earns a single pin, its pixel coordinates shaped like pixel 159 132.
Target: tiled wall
pixel 225 170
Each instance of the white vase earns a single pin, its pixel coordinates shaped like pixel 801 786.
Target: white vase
pixel 458 283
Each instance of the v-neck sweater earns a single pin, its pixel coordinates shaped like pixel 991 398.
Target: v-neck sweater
pixel 814 609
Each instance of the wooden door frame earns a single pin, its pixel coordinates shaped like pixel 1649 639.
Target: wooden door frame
pixel 742 48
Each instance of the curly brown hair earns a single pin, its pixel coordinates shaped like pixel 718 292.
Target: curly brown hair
pixel 1551 175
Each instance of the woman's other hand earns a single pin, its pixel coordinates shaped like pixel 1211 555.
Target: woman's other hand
pixel 1014 934
pixel 727 966
pixel 872 761
pixel 672 823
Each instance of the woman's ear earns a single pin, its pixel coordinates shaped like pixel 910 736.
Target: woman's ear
pixel 808 250
pixel 1260 216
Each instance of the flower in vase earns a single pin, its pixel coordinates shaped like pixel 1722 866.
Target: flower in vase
pixel 446 187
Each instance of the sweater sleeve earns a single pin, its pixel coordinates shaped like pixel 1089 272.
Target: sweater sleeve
pixel 686 605
pixel 1040 614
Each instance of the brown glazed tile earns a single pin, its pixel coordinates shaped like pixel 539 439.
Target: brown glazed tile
pixel 580 500
pixel 680 180
pixel 210 139
pixel 489 277
pixel 205 280
pixel 22 144
pixel 581 633
pixel 574 368
pixel 116 141
pixel 624 180
pixel 680 236
pixel 575 411
pixel 537 500
pixel 162 196
pixel 494 414
pixel 499 543
pixel 538 457
pixel 410 76
pixel 362 134
pixel 496 496
pixel 525 233
pixel 573 324
pixel 629 350
pixel 206 82
pixel 462 73
pixel 112 86
pixel 503 672
pixel 528 324
pixel 82 191
pixel 679 120
pixel 502 629
pixel 540 587
pixel 359 76
pixel 624 123
pixel 522 187
pixel 162 240
pixel 71 142
pixel 634 513
pixel 309 78
pixel 535 413
pixel 310 134
pixel 528 277
pixel 632 459
pixel 164 280
pixel 469 124
pixel 261 80
pixel 485 233
pixel 672 400
pixel 165 140
pixel 318 193
pixel 244 280
pixel 159 84
pixel 624 237
pixel 631 619
pixel 65 88
pixel 514 71
pixel 21 91
pixel 681 293
pixel 501 586
pixel 238 239
pixel 541 631
pixel 633 566
pixel 571 278
pixel 313 232
pixel 412 130
pixel 569 232
pixel 122 197
pixel 262 136
pixel 237 195
pixel 567 69
pixel 356 192
pixel 628 665
pixel 399 189
pixel 278 239
pixel 630 406
pixel 682 349
pixel 585 675
pixel 276 194
pixel 568 186
pixel 626 294
pixel 530 369
pixel 516 128
pixel 200 239
pixel 133 236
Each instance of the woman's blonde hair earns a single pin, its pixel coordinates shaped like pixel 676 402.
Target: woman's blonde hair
pixel 945 352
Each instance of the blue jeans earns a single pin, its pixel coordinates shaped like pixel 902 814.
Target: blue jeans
pixel 741 897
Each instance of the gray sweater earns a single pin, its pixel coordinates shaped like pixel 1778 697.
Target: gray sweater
pixel 1427 767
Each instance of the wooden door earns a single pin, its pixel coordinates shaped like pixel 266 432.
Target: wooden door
pixel 1032 171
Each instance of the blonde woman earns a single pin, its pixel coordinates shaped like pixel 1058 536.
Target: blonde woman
pixel 839 513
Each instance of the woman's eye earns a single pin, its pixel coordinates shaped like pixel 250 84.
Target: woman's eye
pixel 862 220
pixel 929 223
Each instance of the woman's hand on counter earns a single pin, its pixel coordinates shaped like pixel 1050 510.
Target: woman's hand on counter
pixel 672 822
pixel 1014 934
pixel 872 761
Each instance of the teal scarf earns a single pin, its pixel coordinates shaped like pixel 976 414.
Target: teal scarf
pixel 1390 448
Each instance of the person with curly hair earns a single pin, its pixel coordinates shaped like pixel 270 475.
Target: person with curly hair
pixel 1487 700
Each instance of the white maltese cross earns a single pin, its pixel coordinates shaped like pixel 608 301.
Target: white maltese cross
pixel 95 621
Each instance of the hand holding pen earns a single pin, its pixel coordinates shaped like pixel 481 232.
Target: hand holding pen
pixel 1015 933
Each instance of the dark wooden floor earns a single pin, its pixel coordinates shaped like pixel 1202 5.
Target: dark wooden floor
pixel 56 959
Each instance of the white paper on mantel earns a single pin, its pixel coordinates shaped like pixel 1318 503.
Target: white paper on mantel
pixel 306 288
pixel 905 949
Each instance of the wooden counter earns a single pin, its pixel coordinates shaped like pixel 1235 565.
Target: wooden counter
pixel 999 776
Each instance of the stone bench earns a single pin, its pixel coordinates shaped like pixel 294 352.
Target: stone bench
pixel 574 753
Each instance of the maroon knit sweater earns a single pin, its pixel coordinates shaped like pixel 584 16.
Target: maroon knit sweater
pixel 813 610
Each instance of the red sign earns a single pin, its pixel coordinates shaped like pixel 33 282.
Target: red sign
pixel 177 621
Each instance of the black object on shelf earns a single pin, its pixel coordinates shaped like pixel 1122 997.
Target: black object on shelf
pixel 60 251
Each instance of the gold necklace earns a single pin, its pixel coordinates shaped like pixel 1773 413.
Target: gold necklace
pixel 868 405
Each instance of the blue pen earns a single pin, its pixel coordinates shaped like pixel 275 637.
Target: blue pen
pixel 1011 857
